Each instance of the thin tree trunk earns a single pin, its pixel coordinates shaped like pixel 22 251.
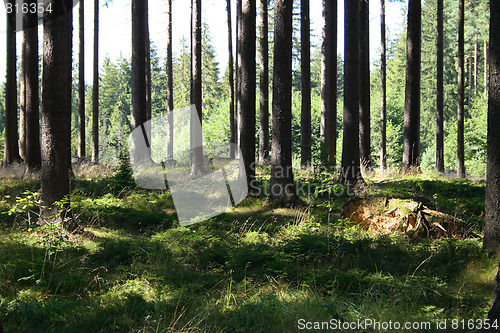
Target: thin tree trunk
pixel 475 65
pixel 81 83
pixel 351 170
pixel 33 158
pixel 440 90
pixel 471 84
pixel 237 79
pixel 461 94
pixel 56 106
pixel 196 92
pixel 411 141
pixel 22 100
pixel 11 146
pixel 283 192
pixel 148 62
pixel 328 126
pixel 246 102
pixel 95 94
pixel 230 64
pixel 305 75
pixel 170 86
pixel 383 88
pixel 364 105
pixel 264 84
pixel 485 68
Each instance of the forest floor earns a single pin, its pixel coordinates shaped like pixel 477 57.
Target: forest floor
pixel 252 269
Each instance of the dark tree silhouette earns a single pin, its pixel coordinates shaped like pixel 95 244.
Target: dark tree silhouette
pixel 95 94
pixel 196 89
pixel 305 76
pixel 351 170
pixel 283 192
pixel 440 90
pixel 264 84
pixel 147 45
pixel 170 86
pixel 33 157
pixel 247 85
pixel 328 126
pixel 461 91
pixel 81 82
pixel 364 98
pixel 22 98
pixel 411 133
pixel 383 89
pixel 232 124
pixel 56 105
pixel 11 146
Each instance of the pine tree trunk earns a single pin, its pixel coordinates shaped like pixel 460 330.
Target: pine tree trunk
pixel 264 84
pixel 471 84
pixel 170 86
pixel 364 105
pixel 11 146
pixel 475 65
pixel 383 88
pixel 148 62
pixel 95 94
pixel 440 91
pixel 485 67
pixel 22 99
pixel 492 219
pixel 81 83
pixel 411 140
pixel 282 191
pixel 247 85
pixel 461 93
pixel 56 105
pixel 351 170
pixel 33 158
pixel 237 78
pixel 328 126
pixel 305 76
pixel 196 91
pixel 231 80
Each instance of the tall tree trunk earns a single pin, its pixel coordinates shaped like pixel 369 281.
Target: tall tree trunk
pixel 461 94
pixel 351 170
pixel 305 77
pixel 282 183
pixel 238 74
pixel 485 67
pixel 475 64
pixel 196 91
pixel 170 86
pixel 491 238
pixel 139 109
pixel 147 45
pixel 56 105
pixel 95 94
pixel 230 65
pixel 471 84
pixel 22 99
pixel 383 88
pixel 492 219
pixel 11 148
pixel 264 84
pixel 411 141
pixel 33 157
pixel 246 102
pixel 81 83
pixel 440 90
pixel 364 105
pixel 328 126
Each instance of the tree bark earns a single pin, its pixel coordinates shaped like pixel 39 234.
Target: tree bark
pixel 147 45
pixel 56 106
pixel 237 78
pixel 196 91
pixel 247 85
pixel 264 84
pixel 170 86
pixel 95 94
pixel 283 191
pixel 411 140
pixel 33 157
pixel 328 126
pixel 475 64
pixel 22 99
pixel 364 105
pixel 383 88
pixel 81 83
pixel 351 170
pixel 461 94
pixel 11 146
pixel 485 67
pixel 492 219
pixel 305 77
pixel 230 64
pixel 440 90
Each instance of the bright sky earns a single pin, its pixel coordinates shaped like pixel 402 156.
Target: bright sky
pixel 115 28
